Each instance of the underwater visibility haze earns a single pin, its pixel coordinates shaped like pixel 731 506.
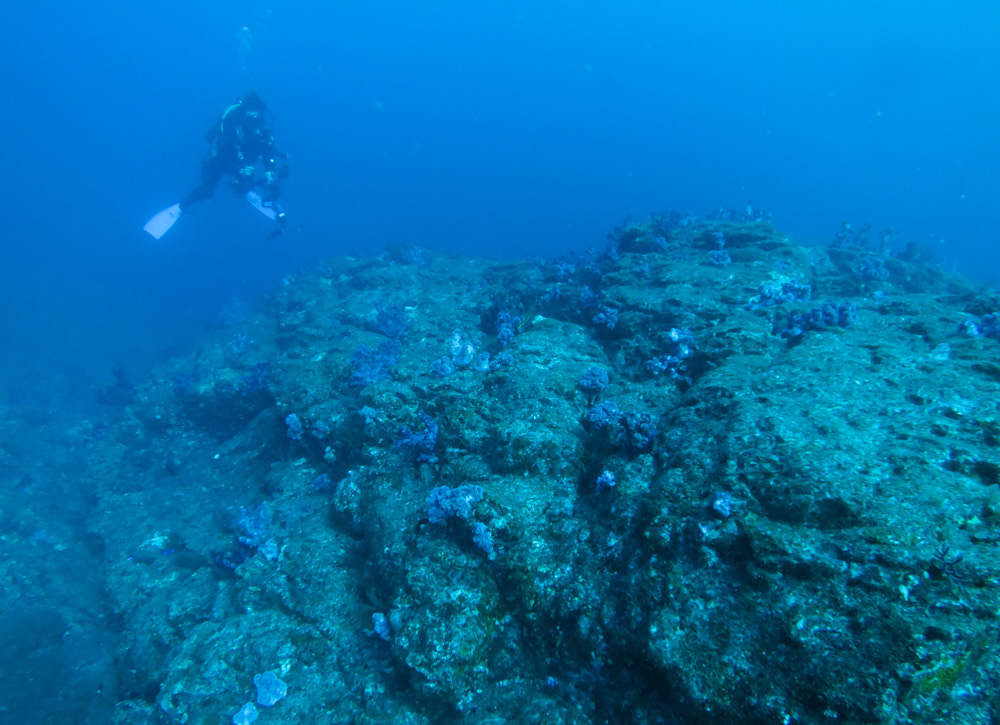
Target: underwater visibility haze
pixel 630 363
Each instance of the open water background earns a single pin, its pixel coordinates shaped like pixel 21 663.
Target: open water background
pixel 481 128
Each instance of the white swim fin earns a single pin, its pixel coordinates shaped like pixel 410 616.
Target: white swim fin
pixel 159 224
pixel 267 208
pixel 257 200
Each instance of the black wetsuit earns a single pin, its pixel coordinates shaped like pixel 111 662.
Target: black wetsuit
pixel 237 140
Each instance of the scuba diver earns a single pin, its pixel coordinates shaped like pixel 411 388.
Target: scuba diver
pixel 240 145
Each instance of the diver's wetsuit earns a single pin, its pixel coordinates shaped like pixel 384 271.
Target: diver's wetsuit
pixel 237 140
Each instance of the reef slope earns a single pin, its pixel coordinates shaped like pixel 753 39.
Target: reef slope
pixel 707 476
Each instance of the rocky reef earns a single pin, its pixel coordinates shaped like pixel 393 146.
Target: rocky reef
pixel 707 475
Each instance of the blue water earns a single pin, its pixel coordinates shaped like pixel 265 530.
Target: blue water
pixel 484 128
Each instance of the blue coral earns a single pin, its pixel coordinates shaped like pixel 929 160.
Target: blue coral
pixel 603 414
pixel 444 503
pixel 605 481
pixel 507 327
pixel 442 367
pixel 607 317
pixel 770 296
pixel 594 380
pixel 674 363
pixel 390 321
pixel 482 537
pixel 818 319
pixel 294 427
pixel 371 366
pixel 638 431
pixel 421 441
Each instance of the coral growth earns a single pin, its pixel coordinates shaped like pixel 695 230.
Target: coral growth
pixel 646 485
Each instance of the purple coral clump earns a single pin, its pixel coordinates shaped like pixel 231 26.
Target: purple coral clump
pixel 444 502
pixel 603 414
pixel 371 366
pixel 632 430
pixel 594 380
pixel 507 327
pixel 719 258
pixel 390 321
pixel 638 430
pixel 607 317
pixel 819 318
pixel 254 525
pixel 247 714
pixel 770 295
pixel 294 427
pixel 675 362
pixel 380 625
pixel 482 537
pixel 500 361
pixel 442 367
pixel 270 689
pixel 422 441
